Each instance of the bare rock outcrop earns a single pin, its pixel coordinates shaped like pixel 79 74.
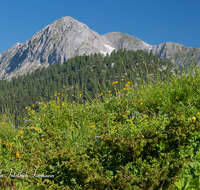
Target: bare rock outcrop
pixel 66 38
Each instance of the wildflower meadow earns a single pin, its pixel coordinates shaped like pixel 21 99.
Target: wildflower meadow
pixel 144 138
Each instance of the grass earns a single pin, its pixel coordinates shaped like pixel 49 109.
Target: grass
pixel 137 138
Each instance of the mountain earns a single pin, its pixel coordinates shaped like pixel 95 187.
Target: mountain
pixel 164 51
pixel 66 38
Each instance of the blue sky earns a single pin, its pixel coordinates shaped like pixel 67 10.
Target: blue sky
pixel 153 21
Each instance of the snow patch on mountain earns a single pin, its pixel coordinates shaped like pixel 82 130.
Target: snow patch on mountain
pixel 109 50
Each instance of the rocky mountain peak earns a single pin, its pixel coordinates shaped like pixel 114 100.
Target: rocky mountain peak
pixel 59 41
pixel 66 38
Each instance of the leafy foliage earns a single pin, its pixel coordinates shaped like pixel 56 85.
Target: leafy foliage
pixel 87 75
pixel 134 138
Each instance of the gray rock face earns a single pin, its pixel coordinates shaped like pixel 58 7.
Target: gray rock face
pixel 120 41
pixel 167 50
pixel 66 38
pixel 179 54
pixel 59 41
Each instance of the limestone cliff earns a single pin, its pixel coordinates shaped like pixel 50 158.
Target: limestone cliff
pixel 66 38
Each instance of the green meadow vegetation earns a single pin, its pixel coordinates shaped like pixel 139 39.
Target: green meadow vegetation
pixel 86 75
pixel 124 136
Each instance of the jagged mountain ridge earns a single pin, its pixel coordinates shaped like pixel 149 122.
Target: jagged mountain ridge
pixel 164 51
pixel 66 38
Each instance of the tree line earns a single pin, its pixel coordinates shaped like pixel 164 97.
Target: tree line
pixel 87 75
